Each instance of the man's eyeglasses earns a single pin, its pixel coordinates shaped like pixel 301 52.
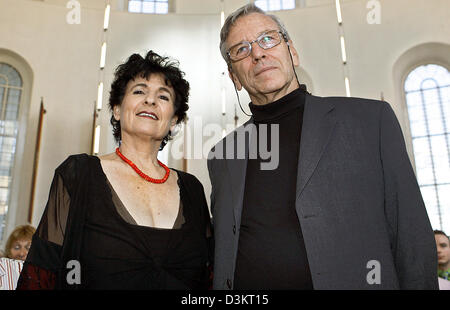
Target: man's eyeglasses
pixel 265 41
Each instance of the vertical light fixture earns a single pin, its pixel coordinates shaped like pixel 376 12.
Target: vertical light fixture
pixel 99 103
pixel 344 54
pixel 338 11
pixel 103 56
pixel 222 13
pixel 343 49
pixel 106 19
pixel 347 87
pixel 100 96
pixel 96 140
pixel 223 97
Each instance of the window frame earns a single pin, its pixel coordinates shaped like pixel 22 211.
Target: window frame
pixel 7 88
pixel 428 136
pixel 21 173
pixel 169 8
pixel 296 5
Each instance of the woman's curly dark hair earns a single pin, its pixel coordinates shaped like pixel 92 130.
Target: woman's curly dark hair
pixel 136 66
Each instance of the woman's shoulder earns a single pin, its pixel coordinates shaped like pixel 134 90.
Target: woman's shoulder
pixel 75 166
pixel 76 161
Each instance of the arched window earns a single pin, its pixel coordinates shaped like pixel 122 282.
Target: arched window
pixel 427 90
pixel 10 95
pixel 275 5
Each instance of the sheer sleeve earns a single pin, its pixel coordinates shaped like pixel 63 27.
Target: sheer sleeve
pixel 43 262
pixel 53 222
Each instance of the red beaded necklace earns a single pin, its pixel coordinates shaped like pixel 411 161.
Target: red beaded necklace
pixel 142 174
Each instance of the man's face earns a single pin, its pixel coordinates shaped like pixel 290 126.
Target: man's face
pixel 443 249
pixel 264 73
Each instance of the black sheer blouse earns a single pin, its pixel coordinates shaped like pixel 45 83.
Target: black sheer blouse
pixel 85 221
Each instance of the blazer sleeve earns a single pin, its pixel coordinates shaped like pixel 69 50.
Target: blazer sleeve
pixel 411 234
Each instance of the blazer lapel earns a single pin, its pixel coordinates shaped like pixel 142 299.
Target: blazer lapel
pixel 237 168
pixel 318 124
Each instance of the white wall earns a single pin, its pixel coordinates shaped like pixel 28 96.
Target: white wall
pixel 191 39
pixel 64 59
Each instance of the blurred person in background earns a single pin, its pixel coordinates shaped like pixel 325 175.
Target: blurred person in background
pixel 443 252
pixel 19 242
pixel 16 251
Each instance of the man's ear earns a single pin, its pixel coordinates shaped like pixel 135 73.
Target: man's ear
pixel 295 57
pixel 234 78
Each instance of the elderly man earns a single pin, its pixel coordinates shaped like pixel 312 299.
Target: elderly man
pixel 334 205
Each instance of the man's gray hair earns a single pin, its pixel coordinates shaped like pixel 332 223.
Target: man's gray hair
pixel 233 17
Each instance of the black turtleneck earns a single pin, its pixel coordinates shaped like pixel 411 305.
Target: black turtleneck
pixel 271 252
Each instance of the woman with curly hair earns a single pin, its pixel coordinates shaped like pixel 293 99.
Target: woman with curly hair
pixel 125 220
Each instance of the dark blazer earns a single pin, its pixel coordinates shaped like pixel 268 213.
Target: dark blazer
pixel 357 201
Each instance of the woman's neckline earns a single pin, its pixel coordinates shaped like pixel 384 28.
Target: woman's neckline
pixel 106 180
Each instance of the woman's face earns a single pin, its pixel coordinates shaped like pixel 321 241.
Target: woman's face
pixel 20 248
pixel 147 108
